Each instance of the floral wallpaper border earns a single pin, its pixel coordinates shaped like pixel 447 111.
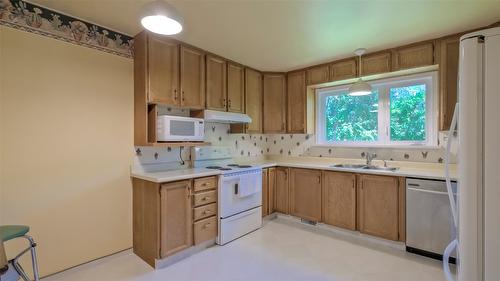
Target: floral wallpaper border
pixel 30 17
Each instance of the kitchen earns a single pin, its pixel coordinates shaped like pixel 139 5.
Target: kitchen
pixel 215 158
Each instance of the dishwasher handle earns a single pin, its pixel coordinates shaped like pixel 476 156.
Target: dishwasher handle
pixel 429 191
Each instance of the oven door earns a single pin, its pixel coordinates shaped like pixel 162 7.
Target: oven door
pixel 230 188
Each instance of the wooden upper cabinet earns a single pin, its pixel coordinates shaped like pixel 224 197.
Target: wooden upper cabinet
pixel 296 103
pixel 192 78
pixel 344 69
pixel 376 63
pixel 339 199
pixel 281 190
pixel 176 223
pixel 235 88
pixel 305 194
pixel 216 83
pixel 415 55
pixel 378 206
pixel 274 109
pixel 448 70
pixel 317 75
pixel 253 100
pixel 163 71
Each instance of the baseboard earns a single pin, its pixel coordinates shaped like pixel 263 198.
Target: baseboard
pixel 92 263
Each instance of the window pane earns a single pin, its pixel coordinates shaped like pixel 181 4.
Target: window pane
pixel 408 113
pixel 351 118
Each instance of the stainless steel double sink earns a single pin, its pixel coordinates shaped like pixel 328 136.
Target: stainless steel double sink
pixel 365 167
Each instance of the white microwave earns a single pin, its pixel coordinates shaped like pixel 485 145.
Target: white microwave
pixel 178 128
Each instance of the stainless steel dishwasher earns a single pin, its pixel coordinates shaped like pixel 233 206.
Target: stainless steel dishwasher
pixel 429 224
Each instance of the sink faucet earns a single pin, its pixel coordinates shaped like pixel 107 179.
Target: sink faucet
pixel 369 157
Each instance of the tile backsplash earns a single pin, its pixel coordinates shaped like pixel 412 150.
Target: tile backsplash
pixel 285 145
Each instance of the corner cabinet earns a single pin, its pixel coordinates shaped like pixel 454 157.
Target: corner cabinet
pixel 281 192
pixel 305 194
pixel 296 103
pixel 274 109
pixel 378 206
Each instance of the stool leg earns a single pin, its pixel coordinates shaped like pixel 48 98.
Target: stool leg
pixel 33 258
pixel 20 270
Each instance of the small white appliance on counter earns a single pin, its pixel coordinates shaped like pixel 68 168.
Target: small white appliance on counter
pixel 179 128
pixel 239 192
pixel 478 213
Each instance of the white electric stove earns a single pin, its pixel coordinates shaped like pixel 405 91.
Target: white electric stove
pixel 239 192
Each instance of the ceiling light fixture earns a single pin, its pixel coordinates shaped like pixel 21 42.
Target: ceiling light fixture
pixel 161 17
pixel 360 88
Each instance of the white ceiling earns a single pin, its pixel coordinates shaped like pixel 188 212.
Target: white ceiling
pixel 281 35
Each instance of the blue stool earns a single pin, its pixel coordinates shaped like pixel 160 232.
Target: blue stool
pixel 9 232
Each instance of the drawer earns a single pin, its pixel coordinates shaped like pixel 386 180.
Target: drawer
pixel 205 211
pixel 205 230
pixel 204 198
pixel 205 183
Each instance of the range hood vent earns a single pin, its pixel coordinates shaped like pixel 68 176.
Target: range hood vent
pixel 225 117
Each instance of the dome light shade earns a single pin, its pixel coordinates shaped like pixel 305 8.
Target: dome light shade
pixel 162 18
pixel 360 88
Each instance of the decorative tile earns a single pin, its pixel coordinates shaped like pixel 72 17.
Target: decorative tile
pixel 30 17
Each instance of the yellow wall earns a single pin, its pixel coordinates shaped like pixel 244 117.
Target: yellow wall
pixel 66 121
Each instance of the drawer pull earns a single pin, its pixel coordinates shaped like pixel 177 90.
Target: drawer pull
pixel 204 184
pixel 205 198
pixel 206 212
pixel 206 225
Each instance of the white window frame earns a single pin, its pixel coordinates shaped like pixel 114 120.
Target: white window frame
pixel 430 79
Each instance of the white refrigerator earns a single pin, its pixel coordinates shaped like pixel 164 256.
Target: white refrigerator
pixel 479 157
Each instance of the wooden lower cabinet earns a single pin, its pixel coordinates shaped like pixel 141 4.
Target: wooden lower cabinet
pixel 265 192
pixel 271 182
pixel 205 229
pixel 305 194
pixel 339 199
pixel 378 206
pixel 281 192
pixel 204 206
pixel 176 217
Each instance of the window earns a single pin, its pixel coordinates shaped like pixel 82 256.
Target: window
pixel 399 112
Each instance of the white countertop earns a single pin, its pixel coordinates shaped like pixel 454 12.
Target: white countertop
pixel 406 169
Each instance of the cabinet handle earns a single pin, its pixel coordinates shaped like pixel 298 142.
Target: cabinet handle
pixel 319 179
pixel 205 198
pixel 206 225
pixel 204 184
pixel 182 95
pixel 206 212
pixel 229 103
pixel 175 94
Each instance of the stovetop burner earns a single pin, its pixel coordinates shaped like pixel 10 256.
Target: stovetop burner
pixel 214 167
pixel 233 165
pixel 225 169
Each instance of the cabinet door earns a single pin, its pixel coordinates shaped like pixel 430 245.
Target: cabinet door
pixel 176 219
pixel 317 75
pixel 265 192
pixel 163 67
pixel 281 201
pixel 376 63
pixel 421 54
pixel 271 181
pixel 305 194
pixel 253 100
pixel 235 88
pixel 378 206
pixel 339 199
pixel 216 83
pixel 274 103
pixel 192 78
pixel 448 68
pixel 296 103
pixel 345 69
